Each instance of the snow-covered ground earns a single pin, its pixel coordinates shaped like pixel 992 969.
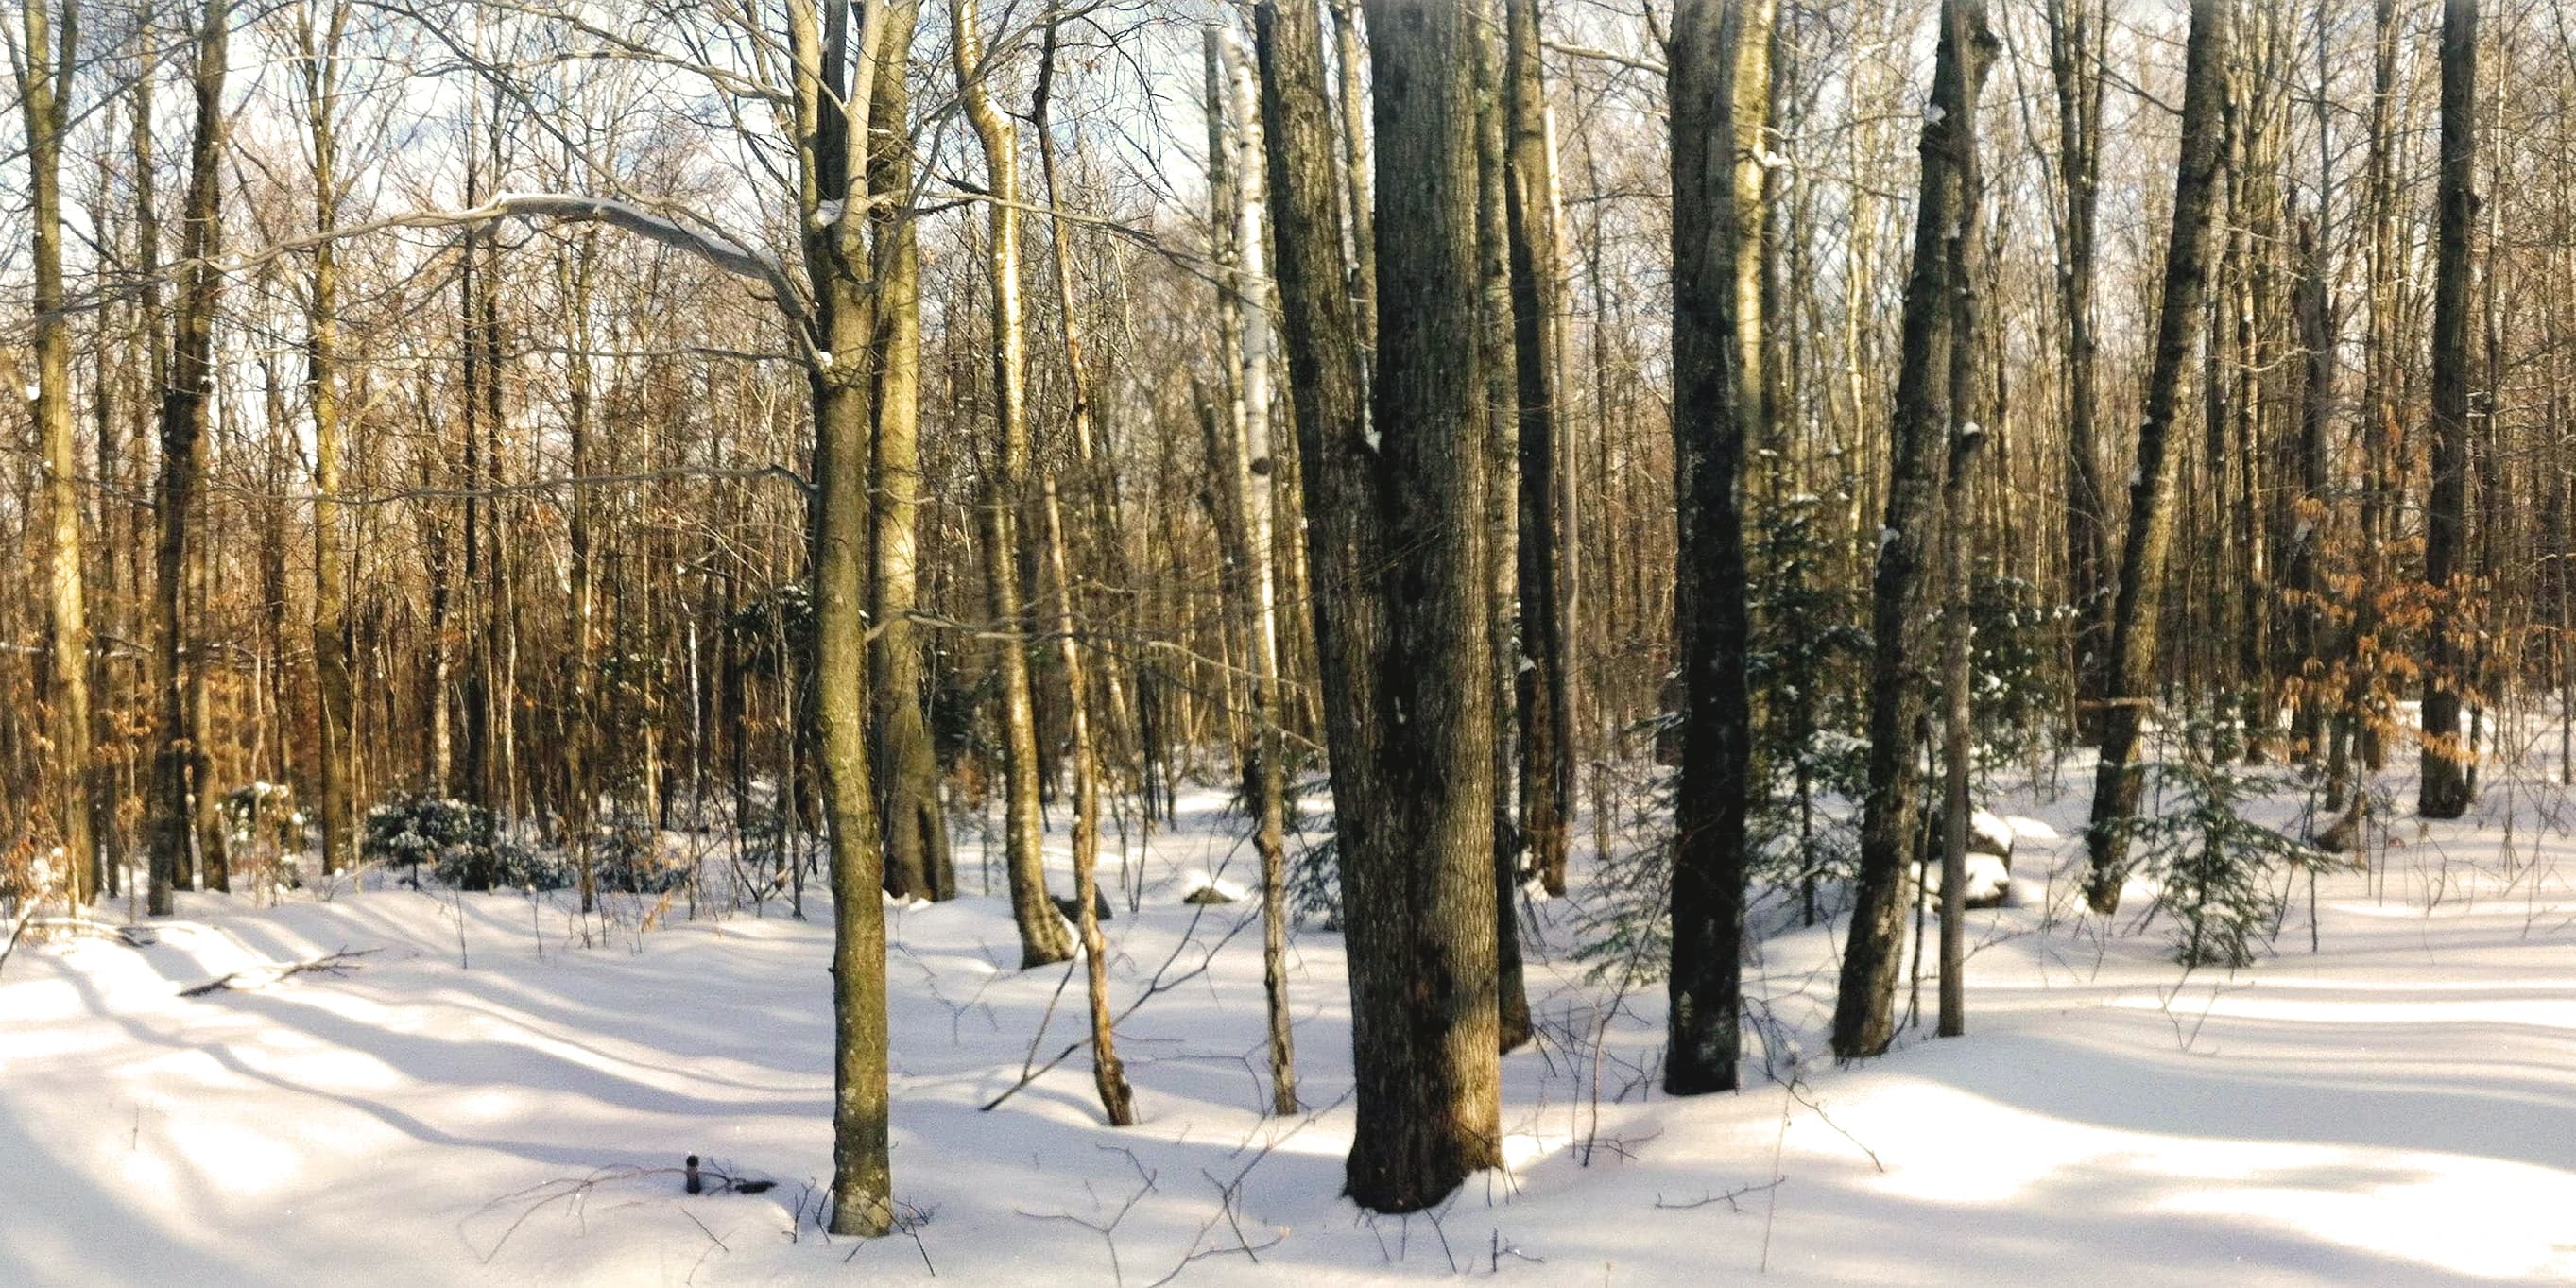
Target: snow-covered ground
pixel 487 1101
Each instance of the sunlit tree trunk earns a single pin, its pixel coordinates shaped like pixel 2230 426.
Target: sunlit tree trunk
pixel 1042 933
pixel 2135 622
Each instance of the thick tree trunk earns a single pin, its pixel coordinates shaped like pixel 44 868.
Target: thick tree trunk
pixel 1908 553
pixel 2121 777
pixel 2445 785
pixel 1404 650
pixel 1719 89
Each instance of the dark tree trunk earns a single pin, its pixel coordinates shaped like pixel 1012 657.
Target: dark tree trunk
pixel 2076 66
pixel 1503 516
pixel 1908 549
pixel 1403 642
pixel 179 766
pixel 2121 777
pixel 1719 87
pixel 1544 720
pixel 2445 786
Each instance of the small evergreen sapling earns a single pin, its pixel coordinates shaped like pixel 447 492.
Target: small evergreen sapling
pixel 2215 864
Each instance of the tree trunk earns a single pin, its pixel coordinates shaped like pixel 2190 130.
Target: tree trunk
pixel 1042 934
pixel 179 762
pixel 2121 777
pixel 1254 475
pixel 2077 69
pixel 45 77
pixel 832 156
pixel 2445 785
pixel 1864 1006
pixel 1108 1075
pixel 1502 517
pixel 1404 651
pixel 1719 89
pixel 1544 718
pixel 319 31
pixel 918 858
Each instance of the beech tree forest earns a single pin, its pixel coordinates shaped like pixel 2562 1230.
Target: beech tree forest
pixel 1642 641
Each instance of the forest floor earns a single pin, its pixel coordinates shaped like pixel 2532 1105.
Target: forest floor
pixel 484 1099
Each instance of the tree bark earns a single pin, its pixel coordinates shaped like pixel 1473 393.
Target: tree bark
pixel 1719 90
pixel 178 766
pixel 1502 517
pixel 46 64
pixel 1042 933
pixel 918 859
pixel 1403 648
pixel 1544 720
pixel 2077 69
pixel 1864 1006
pixel 2121 776
pixel 319 29
pixel 2446 782
pixel 1253 467
pixel 832 187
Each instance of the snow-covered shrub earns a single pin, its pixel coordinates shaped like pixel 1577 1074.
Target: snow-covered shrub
pixel 263 815
pixel 626 855
pixel 506 865
pixel 2215 864
pixel 459 843
pixel 423 829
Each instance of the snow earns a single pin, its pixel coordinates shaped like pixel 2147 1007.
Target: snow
pixel 463 1111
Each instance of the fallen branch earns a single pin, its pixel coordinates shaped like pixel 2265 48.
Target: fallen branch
pixel 338 963
pixel 1728 1198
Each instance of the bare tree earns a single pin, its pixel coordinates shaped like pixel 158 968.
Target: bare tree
pixel 2135 619
pixel 1908 549
pixel 1404 652
pixel 1720 90
pixel 1042 935
pixel 2447 784
pixel 45 60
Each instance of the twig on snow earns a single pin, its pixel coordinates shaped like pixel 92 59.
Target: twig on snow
pixel 338 963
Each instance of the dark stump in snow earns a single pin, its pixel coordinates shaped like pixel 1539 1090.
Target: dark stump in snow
pixel 1072 908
